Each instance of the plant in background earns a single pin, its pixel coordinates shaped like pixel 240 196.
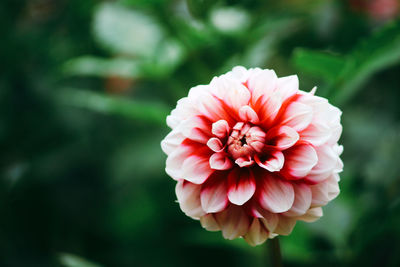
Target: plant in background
pixel 252 154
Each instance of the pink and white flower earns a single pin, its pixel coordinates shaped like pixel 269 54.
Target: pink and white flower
pixel 252 154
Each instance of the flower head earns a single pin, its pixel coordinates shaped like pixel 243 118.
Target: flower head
pixel 252 154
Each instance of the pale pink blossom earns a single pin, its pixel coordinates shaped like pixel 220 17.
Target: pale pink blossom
pixel 252 154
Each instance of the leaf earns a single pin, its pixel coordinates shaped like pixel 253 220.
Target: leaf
pixel 379 51
pixel 321 64
pixel 137 110
pixel 95 66
pixel 70 260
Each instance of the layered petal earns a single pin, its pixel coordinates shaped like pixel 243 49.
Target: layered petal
pixel 188 195
pixel 257 234
pixel 282 137
pixel 233 221
pixel 213 195
pixel 299 160
pixel 196 169
pixel 302 200
pixel 273 162
pixel 220 161
pixel 275 195
pixel 241 186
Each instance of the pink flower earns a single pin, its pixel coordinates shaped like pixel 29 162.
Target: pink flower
pixel 252 154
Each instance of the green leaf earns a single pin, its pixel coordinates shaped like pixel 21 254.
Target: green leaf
pixel 138 110
pixel 379 51
pixel 321 64
pixel 70 260
pixel 94 66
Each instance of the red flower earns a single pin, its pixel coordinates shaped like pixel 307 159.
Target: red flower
pixel 252 154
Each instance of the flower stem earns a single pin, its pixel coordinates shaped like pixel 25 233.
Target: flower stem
pixel 275 252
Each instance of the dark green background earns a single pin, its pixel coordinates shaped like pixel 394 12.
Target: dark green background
pixel 84 90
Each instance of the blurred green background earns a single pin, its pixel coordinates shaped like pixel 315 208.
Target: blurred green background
pixel 85 87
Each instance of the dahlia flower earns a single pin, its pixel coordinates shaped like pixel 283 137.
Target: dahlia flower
pixel 252 154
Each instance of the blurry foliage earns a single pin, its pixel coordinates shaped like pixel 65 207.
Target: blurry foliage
pixel 85 88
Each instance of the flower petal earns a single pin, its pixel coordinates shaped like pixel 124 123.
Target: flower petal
pixel 172 141
pixel 299 160
pixel 312 215
pixel 220 161
pixel 273 162
pixel 287 86
pixel 220 128
pixel 262 83
pixel 244 162
pixel 241 186
pixel 282 137
pixel 302 200
pixel 188 195
pixel 175 160
pixel 285 225
pixel 327 161
pixel 196 169
pixel 247 114
pixel 234 222
pixel 208 222
pixel 298 116
pixel 276 195
pixel 316 134
pixel 231 91
pixel 257 234
pixel 196 128
pixel 215 144
pixel 325 191
pixel 213 195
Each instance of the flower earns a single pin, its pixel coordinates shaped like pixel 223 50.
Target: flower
pixel 252 154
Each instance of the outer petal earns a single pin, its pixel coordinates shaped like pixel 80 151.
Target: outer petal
pixel 275 195
pixel 270 220
pixel 188 195
pixel 241 186
pixel 212 107
pixel 285 225
pixel 172 141
pixel 312 215
pixel 208 222
pixel 298 116
pixel 316 134
pixel 234 222
pixel 233 93
pixel 299 160
pixel 257 234
pixel 213 196
pixel 262 83
pixel 327 160
pixel 196 169
pixel 325 191
pixel 196 128
pixel 288 86
pixel 175 160
pixel 302 200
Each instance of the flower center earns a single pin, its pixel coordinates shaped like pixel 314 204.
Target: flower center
pixel 245 140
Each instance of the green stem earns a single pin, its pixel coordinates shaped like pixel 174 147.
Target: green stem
pixel 275 252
